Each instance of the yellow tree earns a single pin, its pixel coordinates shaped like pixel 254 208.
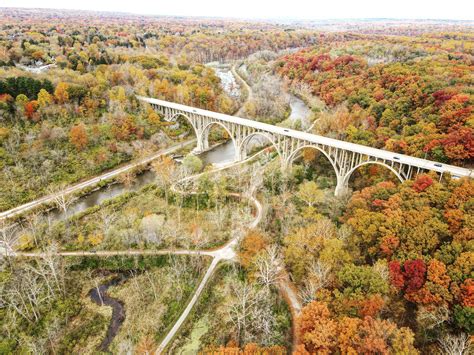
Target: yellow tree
pixel 44 98
pixel 61 93
pixel 302 245
pixel 310 193
pixel 21 100
pixel 164 169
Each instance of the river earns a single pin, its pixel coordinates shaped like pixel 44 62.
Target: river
pixel 100 296
pixel 221 154
pixel 228 82
pixel 299 112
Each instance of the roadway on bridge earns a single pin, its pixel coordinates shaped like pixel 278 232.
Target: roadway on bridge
pixel 312 139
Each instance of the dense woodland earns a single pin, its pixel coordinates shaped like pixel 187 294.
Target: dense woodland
pixel 407 95
pixel 385 268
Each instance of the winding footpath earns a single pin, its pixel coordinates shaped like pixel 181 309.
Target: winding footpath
pixel 227 252
pixel 91 182
pixel 247 88
pixel 224 253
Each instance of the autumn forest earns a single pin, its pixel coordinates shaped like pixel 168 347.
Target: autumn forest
pixel 118 236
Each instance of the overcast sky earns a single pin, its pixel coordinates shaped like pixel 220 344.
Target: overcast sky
pixel 299 9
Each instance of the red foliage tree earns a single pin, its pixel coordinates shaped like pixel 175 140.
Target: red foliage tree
pixel 30 110
pixel 396 275
pixel 422 182
pixel 414 273
pixel 467 293
pixel 459 144
pixel 411 277
pixel 441 96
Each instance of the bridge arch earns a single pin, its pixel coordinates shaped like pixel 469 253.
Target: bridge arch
pixel 348 175
pixel 203 137
pixel 292 157
pixel 243 145
pixel 174 117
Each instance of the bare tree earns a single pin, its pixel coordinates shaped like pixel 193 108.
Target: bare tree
pixel 52 264
pixel 431 317
pixel 178 270
pixel 455 344
pixel 61 198
pixel 24 293
pixel 108 218
pixel 49 271
pixel 250 312
pixel 239 309
pixel 33 221
pixel 150 277
pixel 7 239
pixel 269 266
pixel 318 278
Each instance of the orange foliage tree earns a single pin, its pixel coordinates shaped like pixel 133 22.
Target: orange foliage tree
pixel 253 242
pixel 78 136
pixel 322 334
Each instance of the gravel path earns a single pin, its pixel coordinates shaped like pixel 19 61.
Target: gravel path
pixel 91 182
pixel 247 88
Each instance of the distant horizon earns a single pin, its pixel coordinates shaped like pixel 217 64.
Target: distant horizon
pixel 336 19
pixel 365 10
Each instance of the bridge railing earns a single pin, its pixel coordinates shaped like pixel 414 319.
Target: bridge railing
pixel 422 164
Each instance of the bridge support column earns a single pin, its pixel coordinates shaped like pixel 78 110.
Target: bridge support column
pixel 239 156
pixel 200 145
pixel 341 187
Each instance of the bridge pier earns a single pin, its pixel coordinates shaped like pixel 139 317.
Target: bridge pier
pixel 345 157
pixel 200 146
pixel 341 188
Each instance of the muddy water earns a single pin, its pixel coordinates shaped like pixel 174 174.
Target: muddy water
pixel 222 154
pixel 100 296
pixel 104 193
pixel 299 111
pixel 228 82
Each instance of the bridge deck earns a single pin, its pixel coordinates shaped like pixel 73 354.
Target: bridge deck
pixel 317 139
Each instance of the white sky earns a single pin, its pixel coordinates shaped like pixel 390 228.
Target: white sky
pixel 298 9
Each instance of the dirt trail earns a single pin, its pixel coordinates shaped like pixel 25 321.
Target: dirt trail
pixel 91 182
pixel 287 290
pixel 247 88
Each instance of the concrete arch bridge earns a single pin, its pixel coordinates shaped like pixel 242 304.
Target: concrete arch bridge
pixel 344 157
